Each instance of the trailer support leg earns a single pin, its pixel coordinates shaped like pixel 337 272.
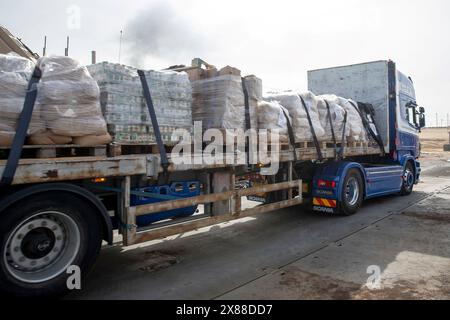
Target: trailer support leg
pixel 221 182
pixel 127 221
pixel 289 178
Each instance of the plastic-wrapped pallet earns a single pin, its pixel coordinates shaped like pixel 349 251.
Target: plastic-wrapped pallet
pixel 124 106
pixel 300 124
pixel 15 73
pixel 68 100
pixel 218 102
pixel 172 97
pixel 337 113
pixel 272 118
pixel 354 121
pixel 254 89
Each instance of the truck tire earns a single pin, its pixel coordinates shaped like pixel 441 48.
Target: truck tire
pixel 408 180
pixel 40 238
pixel 352 193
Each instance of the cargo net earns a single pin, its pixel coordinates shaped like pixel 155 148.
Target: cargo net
pixel 67 108
pixel 126 111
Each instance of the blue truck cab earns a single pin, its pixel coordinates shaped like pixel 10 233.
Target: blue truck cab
pixel 340 186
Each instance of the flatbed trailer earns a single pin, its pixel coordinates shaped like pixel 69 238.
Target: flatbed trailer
pixel 147 167
pixel 119 172
pixel 57 211
pixel 45 170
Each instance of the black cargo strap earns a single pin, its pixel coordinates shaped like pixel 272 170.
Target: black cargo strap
pixel 247 119
pixel 376 135
pixel 156 131
pixel 22 129
pixel 367 128
pixel 363 119
pixel 313 132
pixel 332 128
pixel 292 142
pixel 247 105
pixel 344 126
pixel 290 133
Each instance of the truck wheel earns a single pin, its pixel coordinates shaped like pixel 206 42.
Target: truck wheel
pixel 40 238
pixel 408 180
pixel 352 193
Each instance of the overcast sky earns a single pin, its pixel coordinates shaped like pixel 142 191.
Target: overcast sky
pixel 275 40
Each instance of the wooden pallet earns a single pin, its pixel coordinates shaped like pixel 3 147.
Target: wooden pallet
pixel 306 150
pixel 330 144
pixel 56 151
pixel 115 150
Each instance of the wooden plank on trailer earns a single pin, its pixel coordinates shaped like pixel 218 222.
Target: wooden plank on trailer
pixel 75 168
pixel 66 169
pixel 187 202
pixel 209 221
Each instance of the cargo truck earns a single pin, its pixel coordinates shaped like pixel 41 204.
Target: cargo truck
pixel 56 212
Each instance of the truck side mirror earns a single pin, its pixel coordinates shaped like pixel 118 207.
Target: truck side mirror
pixel 422 122
pixel 422 110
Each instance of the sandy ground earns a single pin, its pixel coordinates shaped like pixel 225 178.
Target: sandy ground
pixel 433 139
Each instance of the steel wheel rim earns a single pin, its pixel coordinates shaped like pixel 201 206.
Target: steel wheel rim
pixel 42 247
pixel 408 178
pixel 352 191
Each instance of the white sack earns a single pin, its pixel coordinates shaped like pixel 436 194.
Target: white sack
pixel 271 117
pixel 337 114
pixel 357 131
pixel 300 124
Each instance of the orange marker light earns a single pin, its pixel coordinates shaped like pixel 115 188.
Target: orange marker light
pixel 326 184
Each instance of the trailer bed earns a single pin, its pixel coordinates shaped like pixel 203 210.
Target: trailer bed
pixel 41 170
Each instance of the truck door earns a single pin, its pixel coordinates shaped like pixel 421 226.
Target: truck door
pixel 407 141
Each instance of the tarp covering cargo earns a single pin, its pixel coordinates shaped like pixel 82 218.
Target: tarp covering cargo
pixel 9 43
